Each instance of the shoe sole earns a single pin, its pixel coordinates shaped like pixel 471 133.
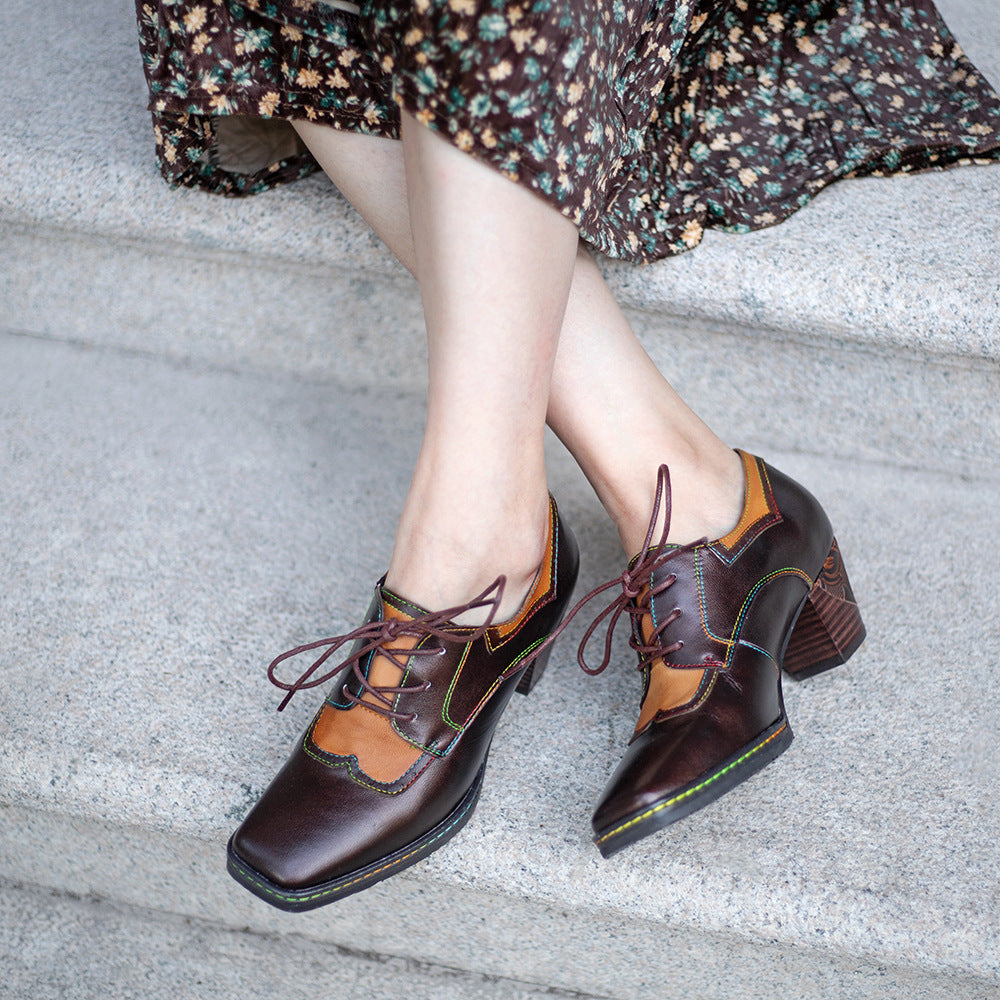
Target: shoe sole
pixel 297 900
pixel 743 764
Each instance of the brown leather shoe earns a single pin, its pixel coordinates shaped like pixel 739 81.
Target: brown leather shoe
pixel 392 764
pixel 713 623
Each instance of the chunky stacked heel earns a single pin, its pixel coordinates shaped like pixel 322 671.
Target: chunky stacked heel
pixel 829 629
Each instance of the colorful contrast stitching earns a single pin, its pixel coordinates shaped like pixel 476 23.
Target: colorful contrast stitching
pixel 410 606
pixel 355 770
pixel 702 610
pixel 482 701
pixel 504 676
pixel 542 600
pixel 446 707
pixel 704 625
pixel 772 517
pixel 507 673
pixel 757 649
pixel 786 571
pixel 347 705
pixel 732 641
pixel 691 791
pixel 705 686
pixel 383 787
pixel 361 878
pixel 394 723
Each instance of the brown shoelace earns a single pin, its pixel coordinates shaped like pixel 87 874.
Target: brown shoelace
pixel 637 593
pixel 378 636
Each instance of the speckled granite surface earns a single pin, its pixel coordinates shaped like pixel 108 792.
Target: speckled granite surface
pixel 167 528
pixel 85 949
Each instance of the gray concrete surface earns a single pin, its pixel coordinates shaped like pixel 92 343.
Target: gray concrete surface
pixel 68 948
pixel 168 528
pixel 233 311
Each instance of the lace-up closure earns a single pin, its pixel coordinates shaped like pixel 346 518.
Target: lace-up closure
pixel 637 593
pixel 376 637
pixel 366 794
pixel 712 716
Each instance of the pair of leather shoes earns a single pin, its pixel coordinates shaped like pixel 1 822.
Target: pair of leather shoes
pixel 392 764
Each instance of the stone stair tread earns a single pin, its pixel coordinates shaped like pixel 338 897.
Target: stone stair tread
pixel 908 263
pixel 90 949
pixel 169 528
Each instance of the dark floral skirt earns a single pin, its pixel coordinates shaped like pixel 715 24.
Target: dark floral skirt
pixel 643 121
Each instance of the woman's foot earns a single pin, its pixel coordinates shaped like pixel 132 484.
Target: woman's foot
pixel 707 498
pixel 391 766
pixel 712 622
pixel 450 546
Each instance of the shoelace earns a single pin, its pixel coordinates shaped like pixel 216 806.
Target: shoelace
pixel 378 636
pixel 637 593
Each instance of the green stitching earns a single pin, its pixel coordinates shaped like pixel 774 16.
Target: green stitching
pixel 362 878
pixel 346 761
pixel 509 672
pixel 690 791
pixel 738 626
pixel 446 707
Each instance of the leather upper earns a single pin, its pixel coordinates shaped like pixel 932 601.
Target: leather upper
pixel 738 598
pixel 324 816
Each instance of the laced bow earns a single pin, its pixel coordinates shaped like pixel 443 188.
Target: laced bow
pixel 378 636
pixel 637 593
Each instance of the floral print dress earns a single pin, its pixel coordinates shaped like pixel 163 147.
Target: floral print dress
pixel 643 121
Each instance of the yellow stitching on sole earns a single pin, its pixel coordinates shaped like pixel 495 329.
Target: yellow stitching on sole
pixel 690 791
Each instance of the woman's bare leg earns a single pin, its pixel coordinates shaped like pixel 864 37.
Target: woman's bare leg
pixel 621 420
pixel 478 502
pixel 608 403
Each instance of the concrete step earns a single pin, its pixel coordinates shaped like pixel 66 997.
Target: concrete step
pixel 867 326
pixel 71 948
pixel 168 527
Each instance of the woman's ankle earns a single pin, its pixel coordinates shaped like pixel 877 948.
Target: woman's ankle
pixel 707 494
pixel 446 561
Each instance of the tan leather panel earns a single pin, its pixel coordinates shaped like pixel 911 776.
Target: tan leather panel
pixel 381 752
pixel 543 584
pixel 757 503
pixel 668 688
